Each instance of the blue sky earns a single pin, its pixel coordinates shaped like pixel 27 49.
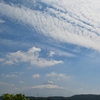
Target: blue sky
pixel 50 47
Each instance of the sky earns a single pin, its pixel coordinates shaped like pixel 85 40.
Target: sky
pixel 50 47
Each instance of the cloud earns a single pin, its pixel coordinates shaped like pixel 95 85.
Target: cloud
pixel 2 21
pixel 22 82
pixel 6 87
pixel 1 60
pixel 9 62
pixel 31 56
pixel 51 53
pixel 48 85
pixel 75 22
pixel 48 82
pixel 57 76
pixel 63 76
pixel 64 53
pixel 18 73
pixel 13 74
pixel 6 84
pixel 36 76
pixel 52 74
pixel 10 75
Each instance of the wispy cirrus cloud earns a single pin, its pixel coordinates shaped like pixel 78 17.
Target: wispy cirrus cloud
pixel 6 84
pixel 65 21
pixel 12 74
pixel 18 73
pixel 31 56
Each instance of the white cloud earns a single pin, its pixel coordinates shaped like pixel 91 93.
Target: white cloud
pixel 63 76
pixel 6 84
pixel 57 76
pixel 1 60
pixel 9 62
pixel 36 76
pixel 48 82
pixel 52 74
pixel 64 53
pixel 51 53
pixel 31 56
pixel 10 75
pixel 13 74
pixel 75 22
pixel 17 73
pixel 22 82
pixel 6 87
pixel 48 85
pixel 2 21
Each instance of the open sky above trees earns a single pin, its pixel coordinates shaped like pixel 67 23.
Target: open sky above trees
pixel 50 47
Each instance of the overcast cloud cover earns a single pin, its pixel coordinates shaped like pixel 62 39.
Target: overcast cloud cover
pixel 50 45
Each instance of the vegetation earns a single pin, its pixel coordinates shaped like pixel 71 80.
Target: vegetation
pixel 21 97
pixel 75 97
pixel 14 97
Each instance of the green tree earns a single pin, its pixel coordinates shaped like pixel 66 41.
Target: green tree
pixel 8 96
pixel 14 97
pixel 19 97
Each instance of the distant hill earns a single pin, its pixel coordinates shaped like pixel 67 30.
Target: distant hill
pixel 78 97
pixel 84 97
pixel 75 97
pixel 0 98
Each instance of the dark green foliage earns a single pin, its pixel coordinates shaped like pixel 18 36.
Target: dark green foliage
pixel 14 97
pixel 76 97
pixel 19 97
pixel 8 97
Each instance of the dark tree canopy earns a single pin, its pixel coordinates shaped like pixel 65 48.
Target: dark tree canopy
pixel 14 97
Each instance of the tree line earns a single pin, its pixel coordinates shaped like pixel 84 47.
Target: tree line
pixel 14 97
pixel 8 96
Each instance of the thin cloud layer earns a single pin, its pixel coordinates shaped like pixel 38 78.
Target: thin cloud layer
pixel 57 76
pixel 48 85
pixel 1 60
pixel 2 21
pixel 67 21
pixel 51 53
pixel 36 76
pixel 31 56
pixel 22 82
pixel 10 75
pixel 6 84
pixel 13 74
